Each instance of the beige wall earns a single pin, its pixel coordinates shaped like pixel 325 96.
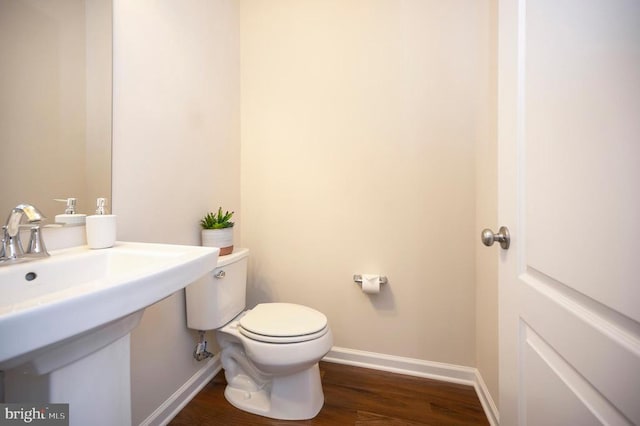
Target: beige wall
pixel 486 207
pixel 366 127
pixel 176 155
pixel 360 121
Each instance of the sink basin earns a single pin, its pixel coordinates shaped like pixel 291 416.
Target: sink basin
pixel 49 302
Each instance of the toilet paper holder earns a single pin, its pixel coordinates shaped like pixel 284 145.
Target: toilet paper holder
pixel 358 279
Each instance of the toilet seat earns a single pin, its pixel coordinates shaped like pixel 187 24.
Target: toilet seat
pixel 282 323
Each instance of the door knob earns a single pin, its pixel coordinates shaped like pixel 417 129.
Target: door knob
pixel 503 237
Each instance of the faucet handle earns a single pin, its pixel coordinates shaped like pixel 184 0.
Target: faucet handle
pixel 36 243
pixel 11 245
pixel 3 249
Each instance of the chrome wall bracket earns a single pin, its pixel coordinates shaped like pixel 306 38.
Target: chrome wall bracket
pixel 358 279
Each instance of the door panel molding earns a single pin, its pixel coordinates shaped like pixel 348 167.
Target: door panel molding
pixel 609 321
pixel 595 347
pixel 532 344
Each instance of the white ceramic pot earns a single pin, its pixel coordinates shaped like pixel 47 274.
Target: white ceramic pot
pixel 222 238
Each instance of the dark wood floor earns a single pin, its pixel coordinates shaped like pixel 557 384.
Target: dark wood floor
pixel 353 396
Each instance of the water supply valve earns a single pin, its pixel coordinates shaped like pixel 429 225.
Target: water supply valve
pixel 200 352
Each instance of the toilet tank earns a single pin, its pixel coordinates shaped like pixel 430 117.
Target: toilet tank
pixel 216 298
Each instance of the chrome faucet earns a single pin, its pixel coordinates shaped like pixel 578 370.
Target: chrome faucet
pixel 12 245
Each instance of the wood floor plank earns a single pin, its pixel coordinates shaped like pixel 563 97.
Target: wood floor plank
pixel 353 396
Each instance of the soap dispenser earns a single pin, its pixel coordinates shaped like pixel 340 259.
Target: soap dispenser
pixel 70 217
pixel 101 227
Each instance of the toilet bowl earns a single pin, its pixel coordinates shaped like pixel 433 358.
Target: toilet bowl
pixel 270 353
pixel 272 367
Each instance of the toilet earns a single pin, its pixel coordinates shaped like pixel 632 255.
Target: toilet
pixel 270 353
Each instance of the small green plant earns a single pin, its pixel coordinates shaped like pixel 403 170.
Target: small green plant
pixel 217 220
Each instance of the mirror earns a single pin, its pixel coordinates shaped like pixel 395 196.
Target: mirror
pixel 55 103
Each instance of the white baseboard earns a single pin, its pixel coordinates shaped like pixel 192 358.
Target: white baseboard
pixel 488 405
pixel 176 402
pixel 415 367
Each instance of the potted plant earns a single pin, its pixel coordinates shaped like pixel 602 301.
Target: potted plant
pixel 217 231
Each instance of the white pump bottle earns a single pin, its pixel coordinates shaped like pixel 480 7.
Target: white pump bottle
pixel 101 227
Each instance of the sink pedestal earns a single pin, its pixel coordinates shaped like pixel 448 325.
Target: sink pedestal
pixel 95 382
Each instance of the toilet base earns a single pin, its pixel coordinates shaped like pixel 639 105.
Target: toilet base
pixel 297 396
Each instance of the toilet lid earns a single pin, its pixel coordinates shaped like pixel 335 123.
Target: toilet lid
pixel 281 320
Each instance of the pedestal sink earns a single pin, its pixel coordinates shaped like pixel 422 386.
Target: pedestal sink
pixel 65 322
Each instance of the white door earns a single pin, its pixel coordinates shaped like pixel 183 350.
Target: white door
pixel 569 191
